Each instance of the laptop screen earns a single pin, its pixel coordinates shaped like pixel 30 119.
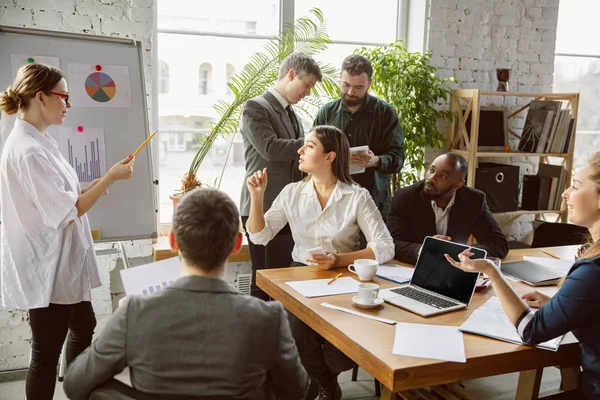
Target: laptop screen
pixel 434 273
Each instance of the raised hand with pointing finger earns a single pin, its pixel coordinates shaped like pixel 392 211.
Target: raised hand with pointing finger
pixel 257 183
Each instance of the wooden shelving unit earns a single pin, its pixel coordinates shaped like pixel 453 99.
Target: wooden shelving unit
pixel 465 102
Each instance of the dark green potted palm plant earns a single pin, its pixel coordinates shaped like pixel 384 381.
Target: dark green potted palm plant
pixel 259 74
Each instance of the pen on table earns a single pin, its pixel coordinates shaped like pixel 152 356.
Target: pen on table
pixel 550 254
pixel 333 280
pixel 142 145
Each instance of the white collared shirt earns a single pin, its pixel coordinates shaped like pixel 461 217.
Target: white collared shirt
pixel 442 215
pixel 284 103
pixel 47 252
pixel 336 228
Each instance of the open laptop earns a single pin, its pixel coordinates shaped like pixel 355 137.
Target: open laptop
pixel 436 286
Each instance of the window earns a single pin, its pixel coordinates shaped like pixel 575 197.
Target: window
pixel 357 20
pixel 204 79
pixel 229 72
pixel 163 77
pixel 577 70
pixel 211 44
pixel 186 118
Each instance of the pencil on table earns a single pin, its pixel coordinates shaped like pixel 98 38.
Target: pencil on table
pixel 333 280
pixel 550 254
pixel 142 145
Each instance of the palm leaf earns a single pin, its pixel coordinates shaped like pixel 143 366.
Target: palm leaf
pixel 308 35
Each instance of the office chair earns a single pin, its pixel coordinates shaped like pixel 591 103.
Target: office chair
pixel 549 234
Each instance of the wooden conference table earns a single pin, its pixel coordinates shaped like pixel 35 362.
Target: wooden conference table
pixel 369 343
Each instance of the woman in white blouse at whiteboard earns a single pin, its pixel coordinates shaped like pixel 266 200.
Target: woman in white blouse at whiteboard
pixel 48 260
pixel 325 210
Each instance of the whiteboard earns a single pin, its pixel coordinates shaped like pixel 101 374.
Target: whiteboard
pixel 130 210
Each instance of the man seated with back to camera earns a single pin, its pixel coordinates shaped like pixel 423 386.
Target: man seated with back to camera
pixel 198 337
pixel 442 206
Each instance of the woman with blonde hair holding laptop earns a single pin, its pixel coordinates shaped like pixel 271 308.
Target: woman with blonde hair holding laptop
pixel 575 307
pixel 48 262
pixel 325 210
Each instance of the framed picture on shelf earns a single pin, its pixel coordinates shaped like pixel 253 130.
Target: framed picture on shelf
pixel 493 129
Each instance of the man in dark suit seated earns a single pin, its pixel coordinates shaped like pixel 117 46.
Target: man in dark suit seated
pixel 198 336
pixel 443 207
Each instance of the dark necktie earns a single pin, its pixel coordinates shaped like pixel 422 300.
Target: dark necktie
pixel 293 120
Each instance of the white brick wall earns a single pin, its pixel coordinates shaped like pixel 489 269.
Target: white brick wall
pixel 471 38
pixel 123 18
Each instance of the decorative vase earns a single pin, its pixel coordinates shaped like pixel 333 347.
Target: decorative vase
pixel 503 75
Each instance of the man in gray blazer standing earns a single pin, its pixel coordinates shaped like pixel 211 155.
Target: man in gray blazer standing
pixel 272 135
pixel 198 336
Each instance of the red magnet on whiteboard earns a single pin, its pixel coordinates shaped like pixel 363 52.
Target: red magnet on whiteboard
pixel 80 129
pixel 98 68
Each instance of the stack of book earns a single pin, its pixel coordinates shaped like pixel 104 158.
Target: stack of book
pixel 547 128
pixel 543 191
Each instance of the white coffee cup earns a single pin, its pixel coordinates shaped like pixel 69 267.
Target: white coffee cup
pixel 368 292
pixel 364 268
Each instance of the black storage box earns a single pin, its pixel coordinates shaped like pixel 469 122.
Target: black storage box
pixel 500 183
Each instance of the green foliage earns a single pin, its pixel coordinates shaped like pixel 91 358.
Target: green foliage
pixel 261 72
pixel 411 85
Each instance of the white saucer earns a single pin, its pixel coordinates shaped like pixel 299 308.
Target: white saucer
pixel 378 301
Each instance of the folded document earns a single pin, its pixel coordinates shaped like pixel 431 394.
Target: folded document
pixel 491 320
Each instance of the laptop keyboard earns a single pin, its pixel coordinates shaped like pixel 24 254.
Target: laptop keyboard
pixel 423 297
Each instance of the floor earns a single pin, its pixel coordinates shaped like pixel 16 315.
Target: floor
pixel 501 387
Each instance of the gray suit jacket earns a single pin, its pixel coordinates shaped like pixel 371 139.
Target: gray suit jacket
pixel 199 336
pixel 270 141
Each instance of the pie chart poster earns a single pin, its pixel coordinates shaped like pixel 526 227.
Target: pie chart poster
pixel 99 85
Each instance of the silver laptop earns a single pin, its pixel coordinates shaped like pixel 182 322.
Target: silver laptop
pixel 436 286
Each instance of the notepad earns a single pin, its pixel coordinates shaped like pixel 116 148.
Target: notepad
pixel 491 320
pixel 319 287
pixel 429 341
pixel 357 169
pixel 395 273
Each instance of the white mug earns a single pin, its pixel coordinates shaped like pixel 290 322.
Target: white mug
pixel 364 268
pixel 368 292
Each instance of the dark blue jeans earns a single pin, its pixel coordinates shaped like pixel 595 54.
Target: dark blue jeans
pixel 49 327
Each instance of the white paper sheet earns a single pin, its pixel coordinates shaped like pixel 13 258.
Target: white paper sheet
pixel 490 320
pixel 429 341
pixel 18 60
pixel 360 314
pixel 108 87
pixel 559 265
pixel 395 273
pixel 85 151
pixel 319 287
pixel 149 278
pixel 355 169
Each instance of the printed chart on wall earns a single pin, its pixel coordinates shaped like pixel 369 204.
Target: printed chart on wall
pixel 84 150
pixel 18 60
pixel 99 85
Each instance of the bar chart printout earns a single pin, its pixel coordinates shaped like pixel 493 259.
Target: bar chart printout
pixel 85 151
pixel 150 278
